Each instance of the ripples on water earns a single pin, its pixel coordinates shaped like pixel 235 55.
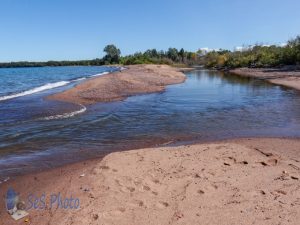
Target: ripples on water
pixel 209 105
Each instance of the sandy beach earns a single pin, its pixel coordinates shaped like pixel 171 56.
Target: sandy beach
pixel 241 181
pixel 288 77
pixel 244 181
pixel 134 80
pixel 153 113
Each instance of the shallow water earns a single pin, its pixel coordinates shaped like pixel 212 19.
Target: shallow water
pixel 208 106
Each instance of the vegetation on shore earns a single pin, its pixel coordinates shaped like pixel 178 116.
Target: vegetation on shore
pixel 153 56
pixel 95 62
pixel 252 56
pixel 258 56
pixel 113 56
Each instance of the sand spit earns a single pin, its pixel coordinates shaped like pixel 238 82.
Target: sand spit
pixel 288 77
pixel 136 79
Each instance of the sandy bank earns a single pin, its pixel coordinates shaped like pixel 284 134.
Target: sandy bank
pixel 285 77
pixel 247 181
pixel 137 79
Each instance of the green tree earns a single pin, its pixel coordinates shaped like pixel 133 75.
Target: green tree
pixel 173 54
pixel 112 54
pixel 182 54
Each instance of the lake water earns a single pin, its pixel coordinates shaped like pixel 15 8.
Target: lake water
pixel 210 105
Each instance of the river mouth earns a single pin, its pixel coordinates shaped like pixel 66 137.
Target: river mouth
pixel 209 105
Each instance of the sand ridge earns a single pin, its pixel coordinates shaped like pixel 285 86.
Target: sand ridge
pixel 134 80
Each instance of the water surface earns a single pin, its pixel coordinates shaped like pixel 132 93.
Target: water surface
pixel 210 105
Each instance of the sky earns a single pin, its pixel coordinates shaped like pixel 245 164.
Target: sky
pixel 40 30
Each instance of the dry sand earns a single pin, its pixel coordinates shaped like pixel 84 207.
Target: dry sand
pixel 288 77
pixel 246 181
pixel 136 79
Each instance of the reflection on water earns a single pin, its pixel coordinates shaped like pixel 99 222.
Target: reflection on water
pixel 209 105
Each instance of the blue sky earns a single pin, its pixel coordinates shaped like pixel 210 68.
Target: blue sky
pixel 75 29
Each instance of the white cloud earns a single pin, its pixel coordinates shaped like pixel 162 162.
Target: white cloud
pixel 242 48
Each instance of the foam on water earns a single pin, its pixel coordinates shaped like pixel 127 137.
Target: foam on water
pixel 79 79
pixel 46 87
pixel 35 90
pixel 99 74
pixel 66 115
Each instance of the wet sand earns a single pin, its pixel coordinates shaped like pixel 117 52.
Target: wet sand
pixel 244 181
pixel 136 79
pixel 288 77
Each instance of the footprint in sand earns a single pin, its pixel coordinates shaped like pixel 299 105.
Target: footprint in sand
pixel 270 162
pixel 156 181
pixel 162 205
pixel 128 189
pixel 146 188
pixel 114 213
pixel 295 178
pixel 294 166
pixel 263 163
pixel 281 192
pixel 123 188
pixel 232 158
pixel 104 167
pixel 98 170
pixel 136 203
pixel 201 192
pixel 152 182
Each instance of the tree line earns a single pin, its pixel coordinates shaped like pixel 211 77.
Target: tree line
pixel 95 62
pixel 255 56
pixel 113 56
pixel 153 56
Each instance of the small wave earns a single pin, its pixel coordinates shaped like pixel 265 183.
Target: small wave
pixel 99 74
pixel 46 87
pixel 95 75
pixel 35 90
pixel 79 79
pixel 66 115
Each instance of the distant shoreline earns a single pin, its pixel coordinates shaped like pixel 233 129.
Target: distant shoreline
pixel 288 77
